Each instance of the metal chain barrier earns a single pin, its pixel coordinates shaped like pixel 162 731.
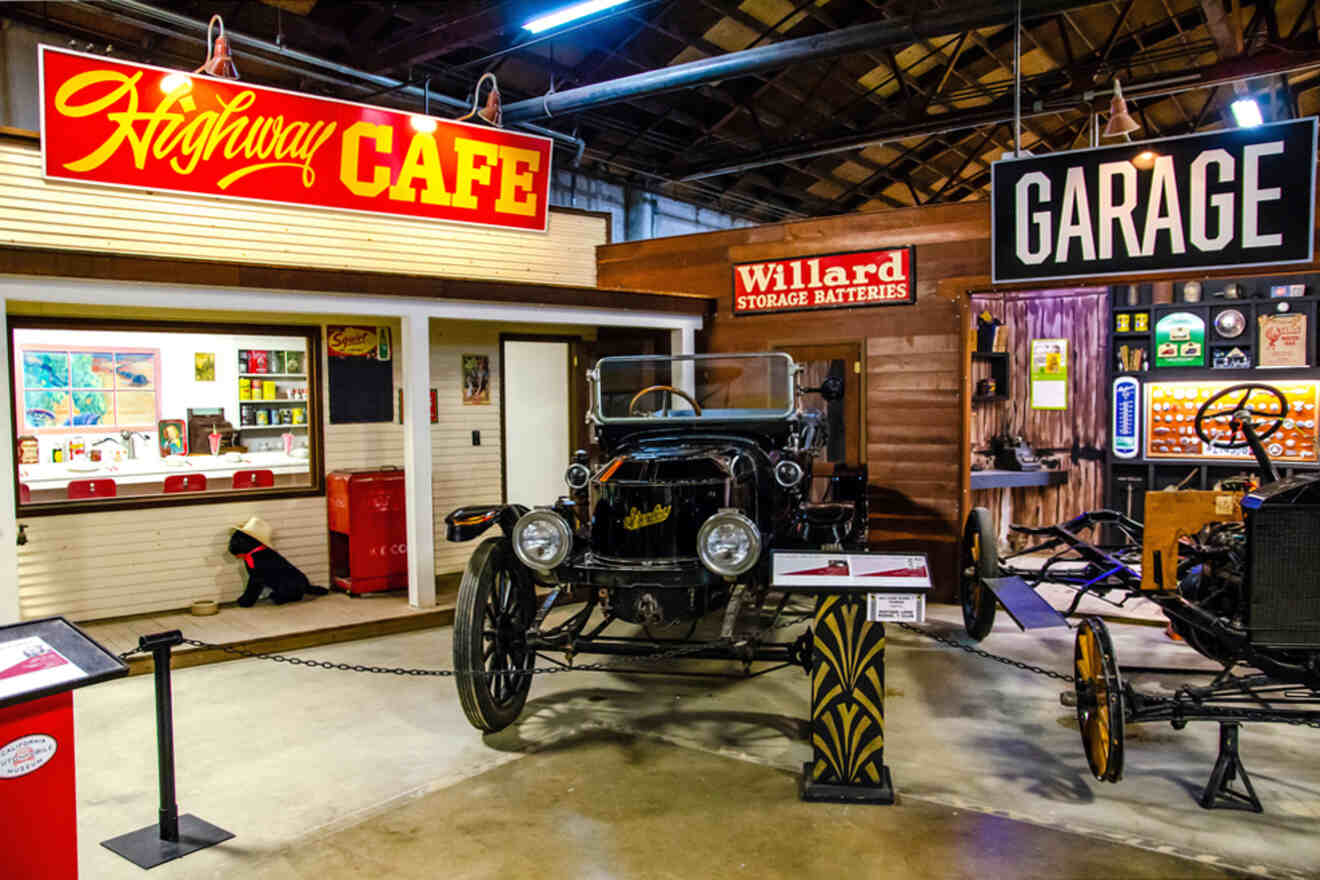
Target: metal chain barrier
pixel 659 657
pixel 1228 713
pixel 972 649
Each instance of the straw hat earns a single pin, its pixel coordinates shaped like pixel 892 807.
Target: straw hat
pixel 258 528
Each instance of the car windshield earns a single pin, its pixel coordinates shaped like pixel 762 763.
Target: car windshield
pixel 694 387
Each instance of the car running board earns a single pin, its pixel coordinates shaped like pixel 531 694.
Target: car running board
pixel 1023 604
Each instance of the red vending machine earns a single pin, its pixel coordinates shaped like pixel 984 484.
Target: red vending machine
pixel 368 530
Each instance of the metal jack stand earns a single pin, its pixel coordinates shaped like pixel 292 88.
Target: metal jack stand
pixel 1228 765
pixel 175 836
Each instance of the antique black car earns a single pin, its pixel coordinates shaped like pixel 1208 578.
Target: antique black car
pixel 704 466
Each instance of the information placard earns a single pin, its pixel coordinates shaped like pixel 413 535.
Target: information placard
pixel 852 572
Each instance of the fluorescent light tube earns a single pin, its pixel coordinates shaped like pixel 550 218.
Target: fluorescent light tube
pixel 1246 112
pixel 569 13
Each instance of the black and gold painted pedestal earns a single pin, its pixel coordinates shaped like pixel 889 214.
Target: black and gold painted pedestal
pixel 847 705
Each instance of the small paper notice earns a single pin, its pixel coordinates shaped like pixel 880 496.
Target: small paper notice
pixel 896 607
pixel 31 664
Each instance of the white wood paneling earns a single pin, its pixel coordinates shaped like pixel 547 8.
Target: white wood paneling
pixel 114 563
pixel 462 473
pixel 56 214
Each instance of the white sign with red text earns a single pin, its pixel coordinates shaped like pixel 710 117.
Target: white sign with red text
pixel 870 571
pixel 30 664
pixel 829 281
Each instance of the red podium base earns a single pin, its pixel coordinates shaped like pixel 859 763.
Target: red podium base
pixel 38 800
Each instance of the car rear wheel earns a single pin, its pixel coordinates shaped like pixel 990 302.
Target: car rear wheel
pixel 980 559
pixel 496 605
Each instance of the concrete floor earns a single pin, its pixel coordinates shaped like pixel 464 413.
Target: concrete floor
pixel 335 775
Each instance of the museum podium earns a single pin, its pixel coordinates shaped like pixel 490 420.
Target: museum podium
pixel 41 663
pixel 856 593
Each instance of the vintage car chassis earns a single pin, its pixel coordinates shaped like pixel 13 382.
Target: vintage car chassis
pixel 572 636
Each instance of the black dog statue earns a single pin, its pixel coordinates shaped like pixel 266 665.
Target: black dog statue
pixel 266 568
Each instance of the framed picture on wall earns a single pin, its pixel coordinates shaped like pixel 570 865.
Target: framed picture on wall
pixel 476 380
pixel 173 437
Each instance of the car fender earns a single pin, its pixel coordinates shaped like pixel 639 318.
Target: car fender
pixel 466 523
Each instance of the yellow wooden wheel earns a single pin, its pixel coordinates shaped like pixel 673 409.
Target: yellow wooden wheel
pixel 979 560
pixel 1099 699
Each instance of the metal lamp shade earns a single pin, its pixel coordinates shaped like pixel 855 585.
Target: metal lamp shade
pixel 1120 123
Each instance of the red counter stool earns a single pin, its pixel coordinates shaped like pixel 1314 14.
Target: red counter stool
pixel 24 493
pixel 185 483
pixel 92 489
pixel 254 479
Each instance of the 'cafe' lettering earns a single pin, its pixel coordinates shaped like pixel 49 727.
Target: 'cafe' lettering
pixel 133 125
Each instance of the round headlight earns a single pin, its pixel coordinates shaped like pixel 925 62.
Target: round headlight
pixel 542 539
pixel 577 476
pixel 728 543
pixel 788 473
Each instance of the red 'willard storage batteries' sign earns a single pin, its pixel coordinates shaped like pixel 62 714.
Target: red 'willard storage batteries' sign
pixel 828 281
pixel 112 122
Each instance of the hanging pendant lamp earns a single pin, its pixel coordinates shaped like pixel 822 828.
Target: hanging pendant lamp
pixel 1120 123
pixel 219 60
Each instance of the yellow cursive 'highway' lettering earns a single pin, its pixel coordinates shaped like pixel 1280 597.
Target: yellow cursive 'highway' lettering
pixel 175 131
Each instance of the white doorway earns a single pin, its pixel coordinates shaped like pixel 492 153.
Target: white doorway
pixel 536 420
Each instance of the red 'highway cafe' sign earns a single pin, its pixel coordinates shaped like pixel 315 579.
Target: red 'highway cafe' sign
pixel 151 128
pixel 831 281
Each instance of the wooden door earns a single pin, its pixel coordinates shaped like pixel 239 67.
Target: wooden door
pixel 844 417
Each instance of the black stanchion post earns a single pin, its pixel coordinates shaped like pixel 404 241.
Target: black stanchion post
pixel 159 645
pixel 173 836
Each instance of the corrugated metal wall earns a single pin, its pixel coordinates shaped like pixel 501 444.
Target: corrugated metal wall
pixel 49 214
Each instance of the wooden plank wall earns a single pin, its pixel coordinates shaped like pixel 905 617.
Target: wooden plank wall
pixel 38 213
pixel 913 370
pixel 1081 316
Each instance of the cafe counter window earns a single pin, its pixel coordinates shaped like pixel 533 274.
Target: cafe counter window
pixel 119 414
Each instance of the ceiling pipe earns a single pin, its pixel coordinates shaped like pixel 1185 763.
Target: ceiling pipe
pixel 134 8
pixel 1280 63
pixel 830 44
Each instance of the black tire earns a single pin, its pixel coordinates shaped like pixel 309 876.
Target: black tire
pixel 979 559
pixel 496 606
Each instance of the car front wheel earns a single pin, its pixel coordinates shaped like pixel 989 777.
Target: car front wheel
pixel 496 605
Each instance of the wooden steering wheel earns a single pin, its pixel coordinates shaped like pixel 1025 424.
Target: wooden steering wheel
pixel 632 406
pixel 1238 413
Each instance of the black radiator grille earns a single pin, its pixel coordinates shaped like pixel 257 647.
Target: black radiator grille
pixel 1285 576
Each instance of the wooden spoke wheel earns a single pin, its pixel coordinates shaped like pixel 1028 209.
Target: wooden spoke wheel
pixel 1099 699
pixel 980 559
pixel 496 605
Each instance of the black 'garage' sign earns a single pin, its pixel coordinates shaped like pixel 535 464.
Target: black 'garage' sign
pixel 1242 197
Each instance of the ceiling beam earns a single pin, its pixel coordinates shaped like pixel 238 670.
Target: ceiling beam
pixel 858 38
pixel 1001 111
pixel 1225 25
